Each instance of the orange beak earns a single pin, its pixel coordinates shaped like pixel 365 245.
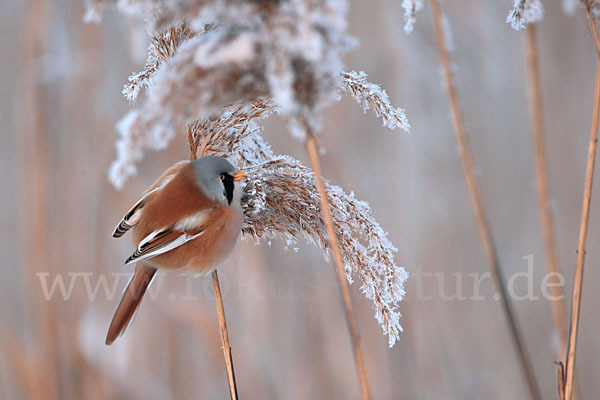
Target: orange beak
pixel 239 176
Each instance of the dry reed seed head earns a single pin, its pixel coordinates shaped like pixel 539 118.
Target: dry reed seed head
pixel 525 12
pixel 234 134
pixel 163 45
pixel 373 97
pixel 289 51
pixel 205 55
pixel 280 200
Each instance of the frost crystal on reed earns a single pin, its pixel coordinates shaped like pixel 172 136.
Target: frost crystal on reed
pixel 163 46
pixel 206 55
pixel 234 134
pixel 281 200
pixel 410 13
pixel 371 96
pixel 525 12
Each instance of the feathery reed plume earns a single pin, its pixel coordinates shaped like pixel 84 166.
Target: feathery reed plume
pixel 281 200
pixel 234 133
pixel 163 46
pixel 371 96
pixel 477 204
pixel 204 57
pixel 583 227
pixel 525 12
pixel 289 51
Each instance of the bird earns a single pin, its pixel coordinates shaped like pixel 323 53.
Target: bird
pixel 188 221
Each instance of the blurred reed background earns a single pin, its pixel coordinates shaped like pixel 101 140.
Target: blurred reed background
pixel 60 85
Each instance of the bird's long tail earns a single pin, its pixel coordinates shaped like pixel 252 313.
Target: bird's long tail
pixel 130 301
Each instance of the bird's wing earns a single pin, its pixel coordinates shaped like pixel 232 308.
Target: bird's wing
pixel 162 240
pixel 167 176
pixel 133 215
pixel 130 301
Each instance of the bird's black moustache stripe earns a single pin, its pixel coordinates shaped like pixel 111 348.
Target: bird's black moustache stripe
pixel 228 187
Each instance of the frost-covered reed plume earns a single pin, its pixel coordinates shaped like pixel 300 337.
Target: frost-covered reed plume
pixel 209 56
pixel 281 201
pixel 525 12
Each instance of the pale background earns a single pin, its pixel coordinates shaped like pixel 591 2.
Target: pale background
pixel 58 109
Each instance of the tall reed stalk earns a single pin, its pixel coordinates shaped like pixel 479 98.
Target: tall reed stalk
pixel 558 306
pixel 537 124
pixel 313 154
pixel 569 369
pixel 476 203
pixel 225 337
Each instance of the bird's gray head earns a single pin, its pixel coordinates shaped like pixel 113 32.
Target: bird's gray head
pixel 218 179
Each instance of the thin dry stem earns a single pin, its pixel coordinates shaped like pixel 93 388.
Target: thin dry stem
pixel 535 101
pixel 482 224
pixel 311 148
pixel 193 143
pixel 225 337
pixel 560 380
pixel 583 227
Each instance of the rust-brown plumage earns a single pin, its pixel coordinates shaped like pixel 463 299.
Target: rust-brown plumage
pixel 176 226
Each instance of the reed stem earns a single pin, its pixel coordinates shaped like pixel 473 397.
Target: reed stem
pixel 311 148
pixel 546 220
pixel 560 380
pixel 482 223
pixel 225 337
pixel 583 227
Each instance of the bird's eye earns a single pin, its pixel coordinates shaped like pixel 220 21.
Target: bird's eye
pixel 221 177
